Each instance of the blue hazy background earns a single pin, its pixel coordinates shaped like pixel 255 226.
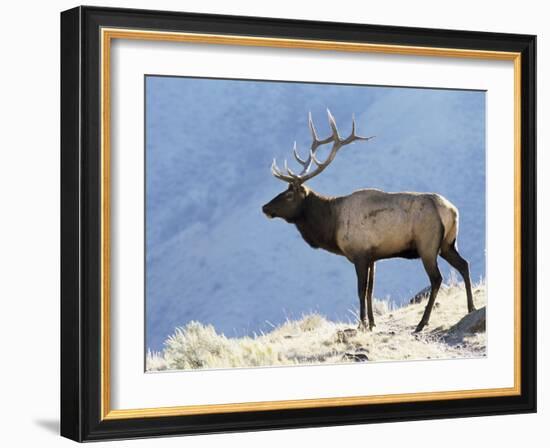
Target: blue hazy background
pixel 213 257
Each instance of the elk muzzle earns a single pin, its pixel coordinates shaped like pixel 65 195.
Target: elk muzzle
pixel 268 211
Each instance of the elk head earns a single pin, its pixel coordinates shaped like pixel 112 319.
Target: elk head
pixel 288 204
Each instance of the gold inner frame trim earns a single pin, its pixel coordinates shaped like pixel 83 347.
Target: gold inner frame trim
pixel 107 35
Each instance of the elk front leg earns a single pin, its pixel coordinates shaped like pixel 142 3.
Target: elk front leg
pixel 365 299
pixel 370 287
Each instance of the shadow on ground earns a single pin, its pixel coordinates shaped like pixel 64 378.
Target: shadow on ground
pixel 49 425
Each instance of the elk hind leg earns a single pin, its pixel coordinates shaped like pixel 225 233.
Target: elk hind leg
pixel 451 255
pixel 430 264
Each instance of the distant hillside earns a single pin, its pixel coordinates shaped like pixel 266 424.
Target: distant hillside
pixel 315 340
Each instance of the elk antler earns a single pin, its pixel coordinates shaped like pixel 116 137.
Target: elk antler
pixel 338 142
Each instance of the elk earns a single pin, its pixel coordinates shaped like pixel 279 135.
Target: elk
pixel 369 224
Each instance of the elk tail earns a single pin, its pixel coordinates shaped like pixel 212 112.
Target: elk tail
pixel 449 218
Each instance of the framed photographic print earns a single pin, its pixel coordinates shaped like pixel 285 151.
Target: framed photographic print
pixel 273 223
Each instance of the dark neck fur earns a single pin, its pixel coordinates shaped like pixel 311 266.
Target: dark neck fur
pixel 317 222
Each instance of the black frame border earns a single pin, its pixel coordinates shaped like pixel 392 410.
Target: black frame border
pixel 81 224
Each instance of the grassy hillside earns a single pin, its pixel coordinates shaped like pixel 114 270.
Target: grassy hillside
pixel 315 340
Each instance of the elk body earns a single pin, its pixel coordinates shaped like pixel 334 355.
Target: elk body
pixel 370 225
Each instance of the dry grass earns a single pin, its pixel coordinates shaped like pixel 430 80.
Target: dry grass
pixel 315 340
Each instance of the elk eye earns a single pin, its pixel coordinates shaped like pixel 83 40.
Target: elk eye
pixel 289 195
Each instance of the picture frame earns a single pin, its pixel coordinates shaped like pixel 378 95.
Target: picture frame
pixel 86 212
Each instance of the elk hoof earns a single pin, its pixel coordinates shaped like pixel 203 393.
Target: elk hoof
pixel 420 326
pixel 471 309
pixel 363 326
